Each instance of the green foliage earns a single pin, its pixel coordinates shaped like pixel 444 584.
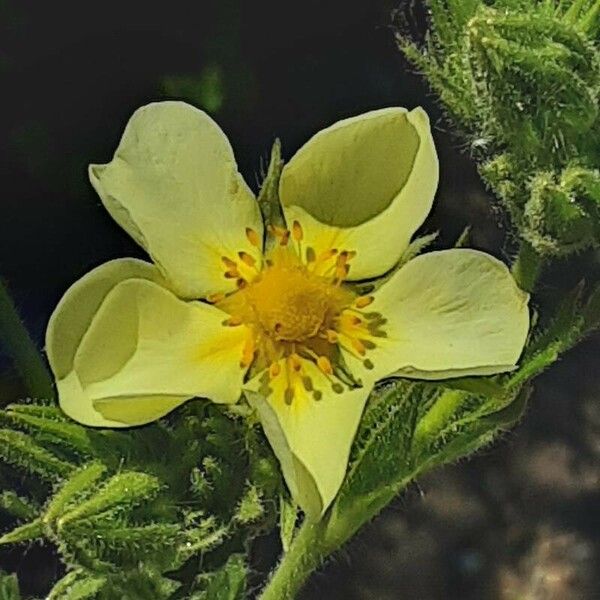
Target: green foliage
pixel 9 587
pixel 521 79
pixel 163 511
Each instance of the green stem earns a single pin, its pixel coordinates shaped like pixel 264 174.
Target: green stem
pixel 303 557
pixel 15 338
pixel 315 541
pixel 527 267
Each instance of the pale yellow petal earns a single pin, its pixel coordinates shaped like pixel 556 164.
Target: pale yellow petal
pixel 174 186
pixel 310 437
pixel 364 184
pixel 147 351
pixel 71 319
pixel 449 314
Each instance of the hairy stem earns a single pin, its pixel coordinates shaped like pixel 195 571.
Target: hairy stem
pixel 15 338
pixel 527 267
pixel 316 541
pixel 303 557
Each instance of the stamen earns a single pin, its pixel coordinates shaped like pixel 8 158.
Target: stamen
pixel 214 298
pixel 253 237
pixel 233 321
pixel 363 301
pixel 332 336
pixel 310 255
pixel 368 364
pixel 241 283
pixel 295 362
pixel 338 388
pixel 358 346
pixel 248 353
pixel 288 396
pixel 232 274
pixel 325 365
pixel 274 370
pixel 327 254
pixel 308 384
pixel 317 395
pixel 297 232
pixel 247 259
pixel 230 264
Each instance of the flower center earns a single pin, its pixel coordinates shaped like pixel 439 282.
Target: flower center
pixel 299 312
pixel 292 304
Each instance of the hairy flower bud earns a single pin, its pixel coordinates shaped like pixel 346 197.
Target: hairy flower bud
pixel 538 73
pixel 563 216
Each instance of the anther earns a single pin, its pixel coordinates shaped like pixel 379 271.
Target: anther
pixel 358 346
pixel 310 255
pixel 232 274
pixel 274 370
pixel 308 384
pixel 232 321
pixel 248 353
pixel 288 396
pixel 295 362
pixel 338 388
pixel 369 345
pixel 297 232
pixel 332 336
pixel 253 237
pixel 341 272
pixel 214 298
pixel 327 254
pixel 368 364
pixel 230 264
pixel 317 395
pixel 363 301
pixel 325 365
pixel 241 283
pixel 247 259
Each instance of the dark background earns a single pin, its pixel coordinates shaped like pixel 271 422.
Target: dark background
pixel 522 519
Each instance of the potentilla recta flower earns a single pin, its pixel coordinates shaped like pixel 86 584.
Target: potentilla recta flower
pixel 220 315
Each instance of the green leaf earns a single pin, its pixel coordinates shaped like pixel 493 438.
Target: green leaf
pixel 20 450
pixel 16 506
pixel 77 585
pixel 228 583
pixel 288 516
pixel 76 485
pixel 120 492
pixel 24 533
pixel 9 587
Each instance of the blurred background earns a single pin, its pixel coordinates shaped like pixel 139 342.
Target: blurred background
pixel 519 521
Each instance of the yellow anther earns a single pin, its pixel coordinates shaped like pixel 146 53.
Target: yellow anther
pixel 214 298
pixel 358 346
pixel 341 272
pixel 248 353
pixel 274 370
pixel 230 264
pixel 325 365
pixel 332 336
pixel 295 362
pixel 247 259
pixel 253 237
pixel 297 232
pixel 342 259
pixel 355 320
pixel 363 301
pixel 232 274
pixel 327 254
pixel 233 321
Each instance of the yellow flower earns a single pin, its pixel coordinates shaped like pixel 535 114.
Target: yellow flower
pixel 215 317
